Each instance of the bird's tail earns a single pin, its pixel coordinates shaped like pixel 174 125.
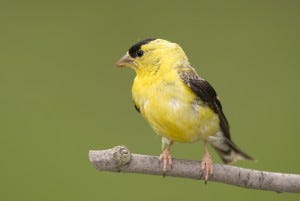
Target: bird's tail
pixel 227 150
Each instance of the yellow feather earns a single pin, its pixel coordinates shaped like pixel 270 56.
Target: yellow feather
pixel 166 102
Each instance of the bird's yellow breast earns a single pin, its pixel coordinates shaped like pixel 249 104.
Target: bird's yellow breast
pixel 172 109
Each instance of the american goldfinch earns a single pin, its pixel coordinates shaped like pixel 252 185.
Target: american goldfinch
pixel 178 104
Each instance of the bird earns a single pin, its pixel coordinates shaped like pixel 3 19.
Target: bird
pixel 179 105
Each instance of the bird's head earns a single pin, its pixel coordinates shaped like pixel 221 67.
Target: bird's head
pixel 150 55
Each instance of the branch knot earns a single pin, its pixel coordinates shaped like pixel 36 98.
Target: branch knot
pixel 121 155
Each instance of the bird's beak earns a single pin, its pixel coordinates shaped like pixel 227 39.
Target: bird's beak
pixel 125 61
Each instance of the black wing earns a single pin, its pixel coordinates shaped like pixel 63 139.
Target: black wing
pixel 207 94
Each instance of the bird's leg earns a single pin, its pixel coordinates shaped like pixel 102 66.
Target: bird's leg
pixel 165 156
pixel 206 163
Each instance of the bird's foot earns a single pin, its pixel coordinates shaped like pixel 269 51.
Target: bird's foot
pixel 207 166
pixel 166 159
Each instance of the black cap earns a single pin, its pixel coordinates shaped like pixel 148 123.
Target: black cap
pixel 133 50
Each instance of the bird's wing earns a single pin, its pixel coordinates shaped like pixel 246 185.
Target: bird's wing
pixel 207 94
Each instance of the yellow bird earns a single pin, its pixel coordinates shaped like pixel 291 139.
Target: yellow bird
pixel 179 105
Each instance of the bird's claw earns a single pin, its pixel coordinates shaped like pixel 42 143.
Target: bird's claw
pixel 166 159
pixel 207 166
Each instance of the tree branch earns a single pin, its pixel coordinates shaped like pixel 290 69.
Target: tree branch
pixel 119 159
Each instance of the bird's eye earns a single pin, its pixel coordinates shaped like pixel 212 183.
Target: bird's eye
pixel 140 53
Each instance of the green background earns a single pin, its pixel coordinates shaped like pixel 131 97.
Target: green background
pixel 61 95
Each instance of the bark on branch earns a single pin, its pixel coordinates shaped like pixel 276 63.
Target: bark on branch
pixel 119 159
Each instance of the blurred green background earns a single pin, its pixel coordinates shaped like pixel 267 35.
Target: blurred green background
pixel 61 95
